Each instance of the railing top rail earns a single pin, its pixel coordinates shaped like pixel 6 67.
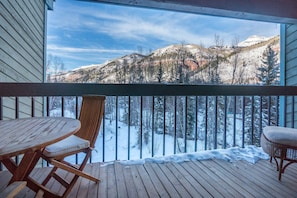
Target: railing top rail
pixel 78 89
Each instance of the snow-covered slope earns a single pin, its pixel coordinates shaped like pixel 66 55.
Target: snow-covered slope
pixel 252 40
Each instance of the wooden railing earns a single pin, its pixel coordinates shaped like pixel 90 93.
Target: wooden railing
pixel 167 119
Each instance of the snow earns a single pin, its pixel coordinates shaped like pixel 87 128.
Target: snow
pixel 85 67
pixel 252 40
pixel 251 154
pixel 124 140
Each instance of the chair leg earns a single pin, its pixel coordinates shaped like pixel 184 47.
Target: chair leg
pixel 49 176
pixel 77 171
pixel 75 178
pixel 71 184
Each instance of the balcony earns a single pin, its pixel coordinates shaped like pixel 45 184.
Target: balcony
pixel 210 178
pixel 233 116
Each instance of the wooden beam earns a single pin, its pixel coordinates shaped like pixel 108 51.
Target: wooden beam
pixel 277 11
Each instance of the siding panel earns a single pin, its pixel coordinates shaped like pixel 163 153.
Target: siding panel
pixel 31 33
pixel 22 25
pixel 291 72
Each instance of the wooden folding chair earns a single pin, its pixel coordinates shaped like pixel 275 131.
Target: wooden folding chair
pixel 91 115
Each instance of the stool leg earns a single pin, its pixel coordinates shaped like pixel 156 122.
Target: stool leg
pixel 280 169
pixel 282 157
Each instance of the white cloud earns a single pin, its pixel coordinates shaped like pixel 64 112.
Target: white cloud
pixel 143 24
pixel 84 50
pixel 74 57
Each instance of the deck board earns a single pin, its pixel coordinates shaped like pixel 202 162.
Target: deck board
pixel 102 192
pixel 130 185
pixel 244 180
pixel 157 183
pixel 139 186
pixel 262 175
pixel 209 178
pixel 111 182
pixel 120 180
pixel 93 187
pixel 147 182
pixel 188 175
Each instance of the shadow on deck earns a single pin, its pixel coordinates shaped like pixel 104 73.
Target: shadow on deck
pixel 209 178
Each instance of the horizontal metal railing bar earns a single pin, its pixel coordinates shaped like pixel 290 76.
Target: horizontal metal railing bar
pixel 79 89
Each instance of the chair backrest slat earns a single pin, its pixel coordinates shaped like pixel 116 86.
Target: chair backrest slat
pixel 91 116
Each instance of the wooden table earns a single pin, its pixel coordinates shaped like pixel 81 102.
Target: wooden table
pixel 29 136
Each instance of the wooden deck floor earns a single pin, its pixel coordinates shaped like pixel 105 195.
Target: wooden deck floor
pixel 209 178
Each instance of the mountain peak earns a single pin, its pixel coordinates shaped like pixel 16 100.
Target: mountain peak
pixel 252 40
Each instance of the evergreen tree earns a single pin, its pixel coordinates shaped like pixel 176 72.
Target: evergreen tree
pixel 159 104
pixel 265 112
pixel 268 72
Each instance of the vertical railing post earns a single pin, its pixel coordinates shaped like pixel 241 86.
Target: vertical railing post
pixel 185 123
pixel 261 117
pixel 1 118
pixel 234 120
pixel 206 123
pixel 32 107
pixel 225 122
pixel 175 123
pixel 16 117
pixel 215 135
pixel 77 117
pixel 129 125
pixel 141 126
pixel 252 119
pixel 103 134
pixel 1 108
pixel 62 106
pixel 164 124
pixel 116 134
pixel 293 112
pixel 153 125
pixel 269 109
pixel 196 122
pixel 277 110
pixel 243 120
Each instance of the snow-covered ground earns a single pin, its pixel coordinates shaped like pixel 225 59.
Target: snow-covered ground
pixel 250 154
pixel 114 145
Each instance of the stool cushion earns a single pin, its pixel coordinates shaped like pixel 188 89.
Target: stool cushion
pixel 67 145
pixel 281 135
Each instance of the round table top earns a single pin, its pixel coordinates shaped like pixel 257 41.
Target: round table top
pixel 30 134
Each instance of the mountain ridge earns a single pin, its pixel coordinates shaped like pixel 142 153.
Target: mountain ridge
pixel 139 68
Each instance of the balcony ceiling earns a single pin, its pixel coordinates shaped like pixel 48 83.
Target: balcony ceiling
pixel 277 11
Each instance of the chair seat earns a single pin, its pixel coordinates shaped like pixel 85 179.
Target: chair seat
pixel 68 145
pixel 281 135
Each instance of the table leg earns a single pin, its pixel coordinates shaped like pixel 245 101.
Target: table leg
pixel 21 172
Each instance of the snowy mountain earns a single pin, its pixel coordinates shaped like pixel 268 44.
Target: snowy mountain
pixel 181 63
pixel 252 40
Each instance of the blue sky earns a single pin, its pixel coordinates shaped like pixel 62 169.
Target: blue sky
pixel 84 33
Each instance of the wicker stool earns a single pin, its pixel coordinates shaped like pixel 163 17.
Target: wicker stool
pixel 281 143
